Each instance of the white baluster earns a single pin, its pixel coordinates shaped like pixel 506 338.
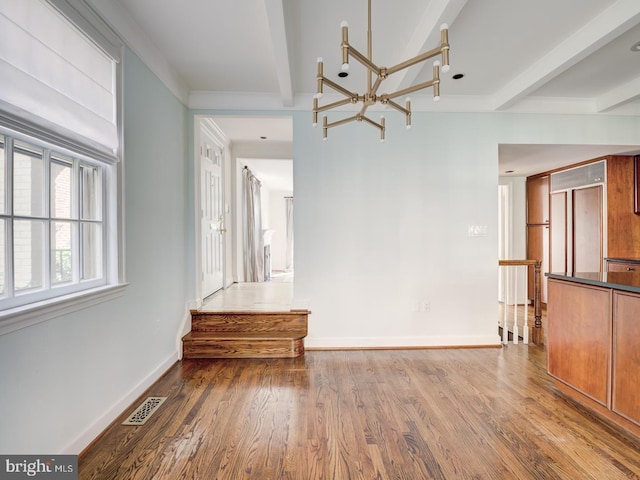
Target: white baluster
pixel 525 333
pixel 515 305
pixel 505 282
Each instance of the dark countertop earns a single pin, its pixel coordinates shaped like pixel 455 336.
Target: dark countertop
pixel 623 260
pixel 625 281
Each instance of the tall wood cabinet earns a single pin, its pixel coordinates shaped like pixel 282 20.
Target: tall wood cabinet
pixel 576 230
pixel 623 224
pixel 538 229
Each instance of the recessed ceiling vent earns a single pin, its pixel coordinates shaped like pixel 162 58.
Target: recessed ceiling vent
pixel 144 411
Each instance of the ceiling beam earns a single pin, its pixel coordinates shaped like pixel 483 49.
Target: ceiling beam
pixel 617 97
pixel 277 28
pixel 425 36
pixel 611 23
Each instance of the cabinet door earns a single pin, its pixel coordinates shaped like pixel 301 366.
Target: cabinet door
pixel 587 229
pixel 538 249
pixel 579 337
pixel 538 200
pixel 558 234
pixel 626 356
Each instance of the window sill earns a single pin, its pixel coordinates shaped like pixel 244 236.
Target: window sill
pixel 28 315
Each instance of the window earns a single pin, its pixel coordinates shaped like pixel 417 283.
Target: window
pixel 60 161
pixel 52 243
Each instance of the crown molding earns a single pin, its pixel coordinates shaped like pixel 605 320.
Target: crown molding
pixel 117 17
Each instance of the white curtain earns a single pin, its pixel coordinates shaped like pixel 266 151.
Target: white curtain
pixel 289 259
pixel 252 218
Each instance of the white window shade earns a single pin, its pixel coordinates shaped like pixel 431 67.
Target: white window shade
pixel 55 77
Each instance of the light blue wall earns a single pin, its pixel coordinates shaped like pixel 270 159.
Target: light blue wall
pixel 62 381
pixel 380 228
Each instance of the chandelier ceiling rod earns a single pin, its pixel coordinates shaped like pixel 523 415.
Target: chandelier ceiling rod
pixel 371 97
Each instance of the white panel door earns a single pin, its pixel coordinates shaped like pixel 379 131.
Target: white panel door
pixel 212 218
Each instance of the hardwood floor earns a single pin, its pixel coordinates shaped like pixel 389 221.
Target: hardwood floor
pixel 274 296
pixel 370 414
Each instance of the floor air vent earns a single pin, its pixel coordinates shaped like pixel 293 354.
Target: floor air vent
pixel 144 411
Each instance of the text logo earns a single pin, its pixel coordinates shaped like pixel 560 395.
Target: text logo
pixel 51 467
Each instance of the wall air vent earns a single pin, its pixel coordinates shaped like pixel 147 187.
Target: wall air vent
pixel 144 411
pixel 590 174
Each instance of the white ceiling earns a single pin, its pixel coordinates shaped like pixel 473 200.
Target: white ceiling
pixel 543 56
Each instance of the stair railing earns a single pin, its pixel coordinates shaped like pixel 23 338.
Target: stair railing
pixel 537 332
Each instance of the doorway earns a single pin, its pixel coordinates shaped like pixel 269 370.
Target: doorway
pixel 210 211
pixel 276 209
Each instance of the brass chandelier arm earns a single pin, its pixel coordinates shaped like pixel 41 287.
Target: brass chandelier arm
pixel 358 118
pixel 364 108
pixel 442 50
pixel 340 88
pixel 415 88
pixel 376 85
pixel 372 67
pixel 398 107
pixel 341 122
pixel 329 106
pixel 371 122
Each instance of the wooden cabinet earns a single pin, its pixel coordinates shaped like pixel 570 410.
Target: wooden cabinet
pixel 623 224
pixel 587 229
pixel 622 265
pixel 579 337
pixel 576 230
pixel 538 249
pixel 593 331
pixel 558 254
pixel 626 359
pixel 538 200
pixel 538 229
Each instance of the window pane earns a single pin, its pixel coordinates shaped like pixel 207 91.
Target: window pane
pixel 90 192
pixel 28 253
pixel 3 263
pixel 28 180
pixel 3 175
pixel 61 190
pixel 61 242
pixel 91 248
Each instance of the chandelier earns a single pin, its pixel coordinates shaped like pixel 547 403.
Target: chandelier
pixel 371 97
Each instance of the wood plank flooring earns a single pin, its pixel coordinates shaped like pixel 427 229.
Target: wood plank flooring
pixel 371 414
pixel 274 296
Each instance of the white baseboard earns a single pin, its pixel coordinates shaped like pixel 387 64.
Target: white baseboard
pixel 402 342
pixel 107 418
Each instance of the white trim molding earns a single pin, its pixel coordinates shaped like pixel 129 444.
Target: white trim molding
pixel 34 313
